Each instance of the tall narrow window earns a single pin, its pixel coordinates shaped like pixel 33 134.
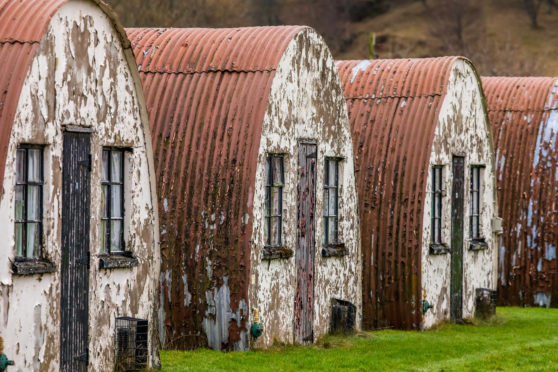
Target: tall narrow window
pixel 437 204
pixel 29 201
pixel 112 209
pixel 474 218
pixel 331 201
pixel 275 180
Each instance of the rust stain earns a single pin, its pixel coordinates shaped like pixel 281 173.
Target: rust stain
pixel 524 117
pixel 207 93
pixel 393 110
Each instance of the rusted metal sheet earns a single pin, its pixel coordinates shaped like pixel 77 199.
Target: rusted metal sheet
pixel 207 93
pixel 393 109
pixel 524 116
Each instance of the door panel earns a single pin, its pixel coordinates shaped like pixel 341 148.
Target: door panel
pixel 306 227
pixel 74 296
pixel 457 218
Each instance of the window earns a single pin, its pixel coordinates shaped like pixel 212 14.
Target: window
pixel 474 219
pixel 29 201
pixel 112 210
pixel 331 201
pixel 275 179
pixel 437 195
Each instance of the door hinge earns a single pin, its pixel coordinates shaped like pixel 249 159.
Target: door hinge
pixel 86 163
pixel 83 357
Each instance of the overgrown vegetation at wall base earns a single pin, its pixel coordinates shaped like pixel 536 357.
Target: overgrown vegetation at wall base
pixel 518 339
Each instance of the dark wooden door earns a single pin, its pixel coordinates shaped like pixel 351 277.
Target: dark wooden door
pixel 74 309
pixel 306 240
pixel 457 225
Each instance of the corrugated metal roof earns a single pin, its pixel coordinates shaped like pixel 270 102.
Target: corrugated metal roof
pixel 393 143
pixel 524 117
pixel 22 25
pixel 207 94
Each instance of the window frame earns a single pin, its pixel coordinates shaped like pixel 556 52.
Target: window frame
pixel 437 204
pixel 25 221
pixel 109 184
pixel 268 201
pixel 327 190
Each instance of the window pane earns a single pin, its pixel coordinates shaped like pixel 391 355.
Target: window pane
pixel 333 202
pixel 33 203
pixel 19 239
pixel 268 176
pixel 332 230
pixel 20 166
pixel 20 203
pixel 116 166
pixel 116 201
pixel 116 236
pixel 276 194
pixel 332 172
pixel 104 201
pixel 33 240
pixel 326 202
pixel 105 175
pixel 277 170
pixel 103 236
pixel 34 167
pixel 475 227
pixel 267 205
pixel 276 231
pixel 267 230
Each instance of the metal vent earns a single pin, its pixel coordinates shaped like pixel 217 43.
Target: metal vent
pixel 131 344
pixel 343 314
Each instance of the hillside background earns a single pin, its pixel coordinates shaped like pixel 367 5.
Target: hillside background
pixel 502 37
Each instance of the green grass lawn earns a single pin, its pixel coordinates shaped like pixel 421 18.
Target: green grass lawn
pixel 516 340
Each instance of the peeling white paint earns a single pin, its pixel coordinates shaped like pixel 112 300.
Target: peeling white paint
pixel 80 76
pixel 306 102
pixel 462 130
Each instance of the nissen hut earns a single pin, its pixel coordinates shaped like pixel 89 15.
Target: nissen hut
pixel 79 261
pixel 524 117
pixel 426 187
pixel 255 182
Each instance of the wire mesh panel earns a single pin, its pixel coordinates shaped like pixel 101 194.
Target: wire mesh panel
pixel 131 344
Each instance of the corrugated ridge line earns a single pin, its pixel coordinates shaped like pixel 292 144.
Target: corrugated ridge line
pixel 393 210
pixel 206 133
pixel 519 112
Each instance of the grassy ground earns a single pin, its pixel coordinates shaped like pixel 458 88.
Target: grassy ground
pixel 516 340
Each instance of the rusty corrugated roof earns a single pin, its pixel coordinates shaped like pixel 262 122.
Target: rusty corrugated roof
pixel 22 25
pixel 207 94
pixel 523 113
pixel 393 109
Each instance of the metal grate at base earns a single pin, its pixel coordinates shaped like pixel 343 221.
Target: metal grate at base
pixel 131 344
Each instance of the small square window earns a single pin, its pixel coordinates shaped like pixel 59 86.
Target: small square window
pixel 29 202
pixel 112 201
pixel 273 214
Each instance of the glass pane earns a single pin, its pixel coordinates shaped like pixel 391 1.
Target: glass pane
pixel 266 231
pixel 475 203
pixel 19 239
pixel 276 194
pixel 103 236
pixel 20 166
pixel 33 240
pixel 33 203
pixel 276 231
pixel 20 203
pixel 34 167
pixel 105 172
pixel 277 170
pixel 116 236
pixel 116 201
pixel 332 231
pixel 268 176
pixel 475 227
pixel 116 166
pixel 326 202
pixel 333 202
pixel 332 173
pixel 104 201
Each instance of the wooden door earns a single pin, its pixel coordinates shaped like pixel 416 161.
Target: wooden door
pixel 306 241
pixel 457 226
